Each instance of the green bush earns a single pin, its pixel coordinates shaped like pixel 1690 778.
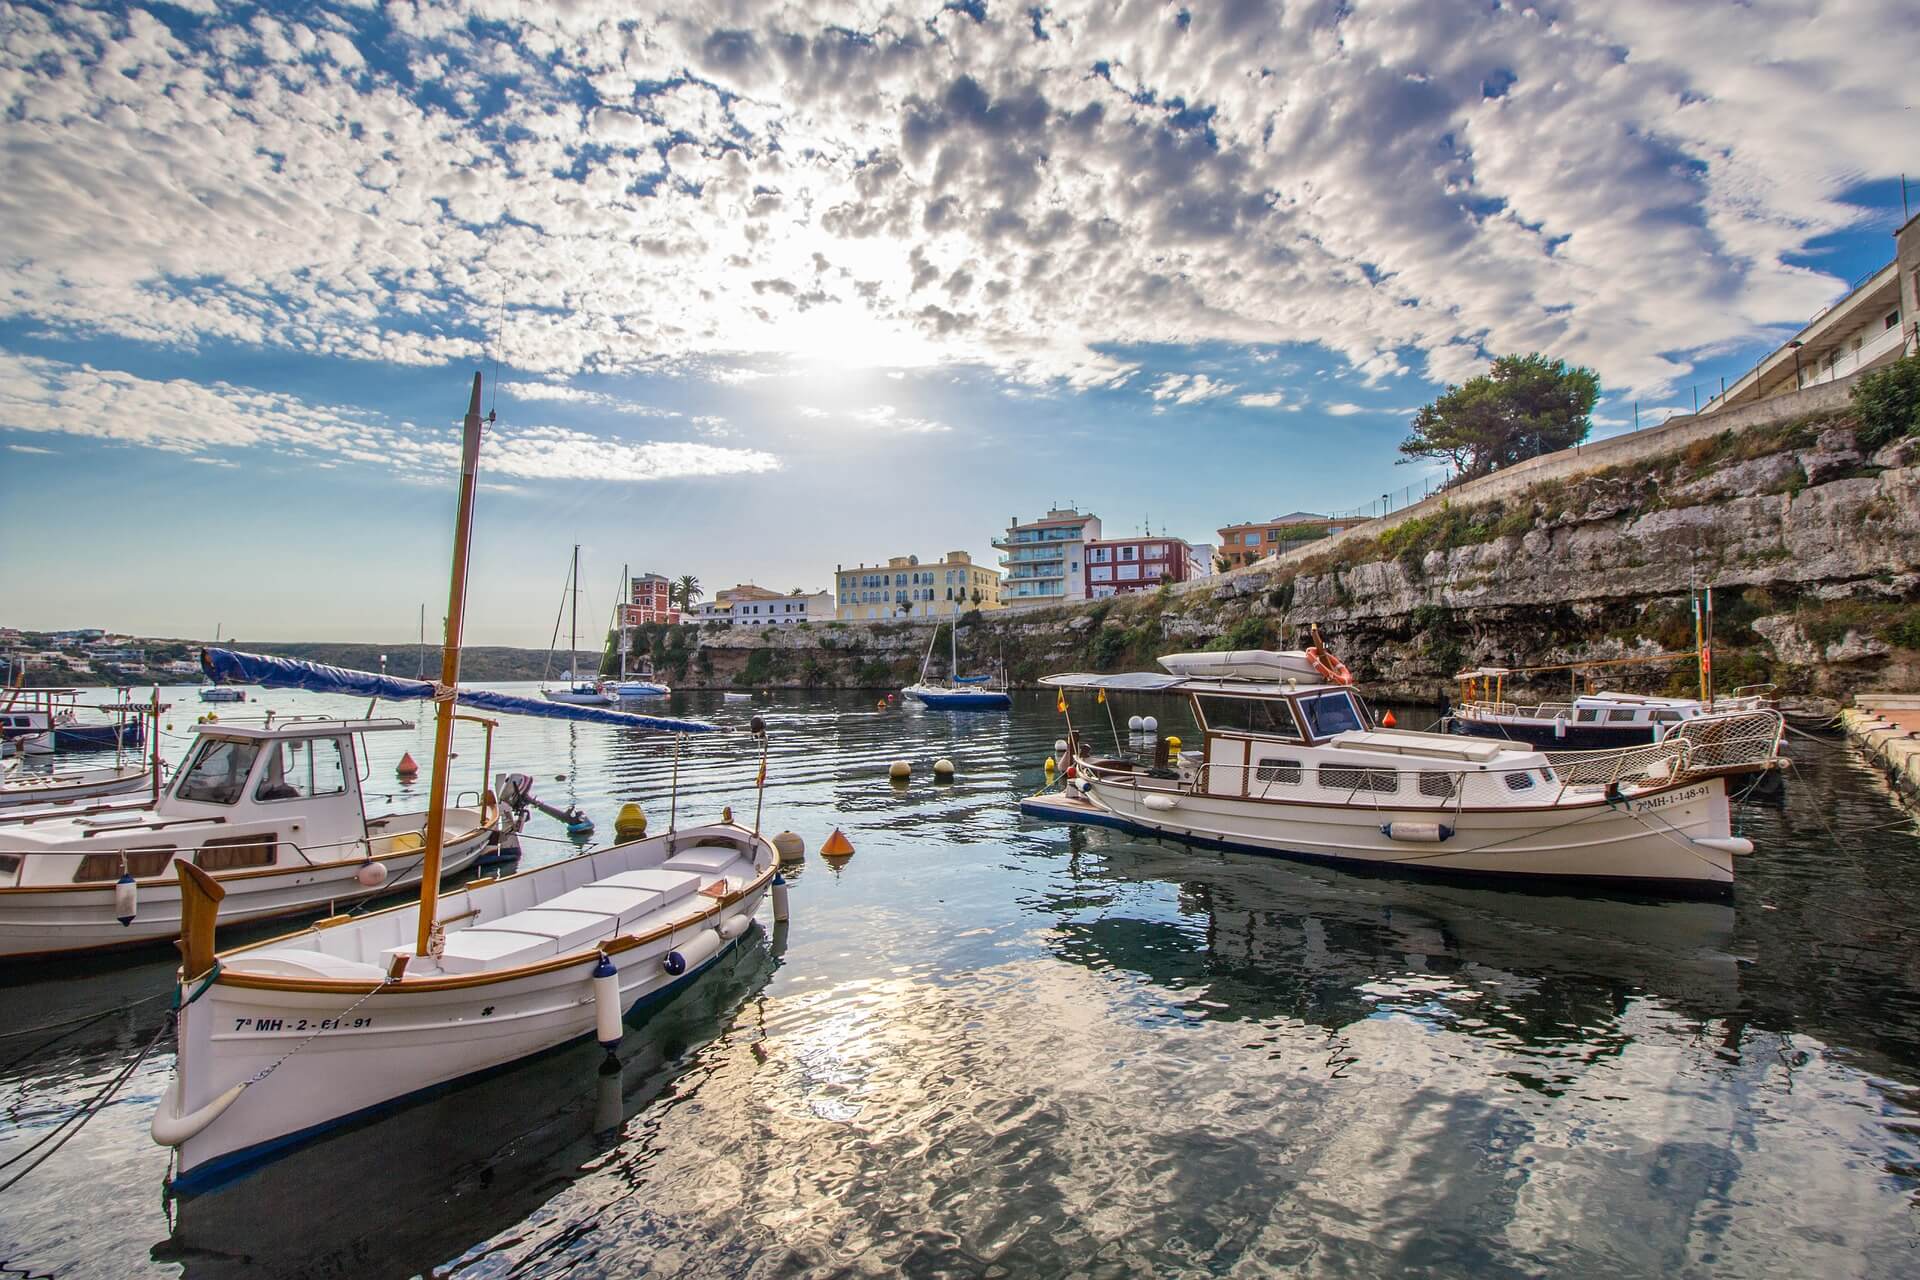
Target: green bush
pixel 1887 403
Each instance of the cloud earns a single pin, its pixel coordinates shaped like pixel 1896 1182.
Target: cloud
pixel 607 188
pixel 1344 410
pixel 557 391
pixel 891 419
pixel 1183 388
pixel 1267 400
pixel 205 422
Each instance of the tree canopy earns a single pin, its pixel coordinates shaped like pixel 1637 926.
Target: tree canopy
pixel 1523 407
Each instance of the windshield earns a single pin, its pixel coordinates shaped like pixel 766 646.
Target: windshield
pixel 217 771
pixel 1330 713
pixel 1268 717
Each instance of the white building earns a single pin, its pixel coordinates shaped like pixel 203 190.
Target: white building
pixel 749 606
pixel 1045 559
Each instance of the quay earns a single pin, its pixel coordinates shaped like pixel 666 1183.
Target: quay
pixel 1883 725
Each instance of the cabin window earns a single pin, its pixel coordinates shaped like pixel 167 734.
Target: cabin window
pixel 1331 713
pixel 235 853
pixel 1666 717
pixel 1519 781
pixel 217 772
pixel 300 768
pixel 9 863
pixel 1287 771
pixel 1439 786
pixel 1587 715
pixel 1347 779
pixel 142 864
pixel 1621 717
pixel 1269 717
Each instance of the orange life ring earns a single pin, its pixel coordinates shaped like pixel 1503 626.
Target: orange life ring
pixel 1329 666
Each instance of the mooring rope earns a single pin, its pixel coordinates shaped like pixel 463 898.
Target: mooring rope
pixel 79 1117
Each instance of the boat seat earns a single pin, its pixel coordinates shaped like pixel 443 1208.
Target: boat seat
pixel 485 947
pixel 620 903
pixel 703 858
pixel 297 962
pixel 670 885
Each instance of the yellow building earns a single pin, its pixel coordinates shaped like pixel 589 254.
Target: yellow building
pixel 905 588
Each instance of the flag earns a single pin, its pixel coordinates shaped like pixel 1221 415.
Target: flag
pixel 760 779
pixel 1060 703
pixel 1101 696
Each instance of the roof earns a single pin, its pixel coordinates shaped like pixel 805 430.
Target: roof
pixel 1158 682
pixel 301 727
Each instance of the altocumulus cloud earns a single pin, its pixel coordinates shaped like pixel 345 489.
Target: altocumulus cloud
pixel 1031 188
pixel 196 420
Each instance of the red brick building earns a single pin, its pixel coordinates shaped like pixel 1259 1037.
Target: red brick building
pixel 650 600
pixel 1119 565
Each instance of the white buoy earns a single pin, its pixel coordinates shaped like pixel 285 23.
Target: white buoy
pixel 779 898
pixel 606 1004
pixel 1135 724
pixel 371 874
pixel 790 846
pixel 126 899
pixel 1059 746
pixel 1149 724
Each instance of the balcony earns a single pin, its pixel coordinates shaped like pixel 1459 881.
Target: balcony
pixel 1007 542
pixel 1846 361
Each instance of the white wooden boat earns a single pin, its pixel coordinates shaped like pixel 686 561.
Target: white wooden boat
pixel 1591 721
pixel 279 1041
pixel 274 813
pixel 19 787
pixel 1298 769
pixel 514 974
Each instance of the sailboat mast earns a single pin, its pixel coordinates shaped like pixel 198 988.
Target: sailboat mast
pixel 449 674
pixel 573 621
pixel 619 617
pixel 953 648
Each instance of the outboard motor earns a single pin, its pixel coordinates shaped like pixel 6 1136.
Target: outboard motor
pixel 515 791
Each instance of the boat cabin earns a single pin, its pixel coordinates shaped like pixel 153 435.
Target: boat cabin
pixel 245 798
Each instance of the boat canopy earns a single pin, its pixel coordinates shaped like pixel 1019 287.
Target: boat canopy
pixel 291 673
pixel 1136 681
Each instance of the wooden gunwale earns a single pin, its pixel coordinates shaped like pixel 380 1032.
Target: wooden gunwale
pixel 457 982
pixel 223 877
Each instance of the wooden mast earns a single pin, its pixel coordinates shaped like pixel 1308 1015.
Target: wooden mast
pixel 449 674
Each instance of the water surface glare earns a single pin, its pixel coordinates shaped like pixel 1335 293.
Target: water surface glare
pixel 993 1046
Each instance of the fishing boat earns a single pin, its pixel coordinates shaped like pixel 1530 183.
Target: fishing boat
pixel 22 787
pixel 273 813
pixel 282 1040
pixel 957 692
pixel 1605 720
pixel 1298 768
pixel 43 721
pixel 575 690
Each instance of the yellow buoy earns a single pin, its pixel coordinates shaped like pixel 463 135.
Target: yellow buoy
pixel 789 846
pixel 212 718
pixel 943 770
pixel 1051 766
pixel 837 845
pixel 630 823
pixel 1173 745
pixel 899 771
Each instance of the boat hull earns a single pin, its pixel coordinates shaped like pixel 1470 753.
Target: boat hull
pixel 576 699
pixel 958 699
pixel 360 1049
pixel 59 788
pixel 50 921
pixel 98 737
pixel 1647 840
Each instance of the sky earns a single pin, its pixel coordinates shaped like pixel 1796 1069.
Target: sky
pixel 761 289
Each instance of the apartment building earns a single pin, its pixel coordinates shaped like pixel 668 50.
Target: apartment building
pixel 906 588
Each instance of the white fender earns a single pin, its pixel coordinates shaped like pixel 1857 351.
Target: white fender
pixel 171 1130
pixel 1725 844
pixel 692 953
pixel 1160 804
pixel 1416 832
pixel 606 1004
pixel 733 926
pixel 779 897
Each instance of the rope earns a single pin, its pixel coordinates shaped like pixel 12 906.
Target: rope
pixel 78 1118
pixel 70 1022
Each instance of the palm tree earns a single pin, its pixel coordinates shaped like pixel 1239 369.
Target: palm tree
pixel 687 590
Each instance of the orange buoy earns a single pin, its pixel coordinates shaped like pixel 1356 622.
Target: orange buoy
pixel 837 845
pixel 1387 721
pixel 408 769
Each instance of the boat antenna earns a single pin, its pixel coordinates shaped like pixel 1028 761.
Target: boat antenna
pixel 429 930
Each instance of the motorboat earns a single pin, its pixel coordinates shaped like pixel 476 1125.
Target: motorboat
pixel 222 693
pixel 273 813
pixel 957 692
pixel 279 1041
pixel 21 787
pixel 576 690
pixel 44 721
pixel 1586 721
pixel 1299 768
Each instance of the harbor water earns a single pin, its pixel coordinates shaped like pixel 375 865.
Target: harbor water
pixel 988 1045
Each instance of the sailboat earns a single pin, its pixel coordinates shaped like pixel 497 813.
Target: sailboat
pixel 279 1041
pixel 579 693
pixel 641 683
pixel 959 693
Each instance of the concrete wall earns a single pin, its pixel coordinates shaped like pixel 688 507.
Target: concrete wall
pixel 1675 433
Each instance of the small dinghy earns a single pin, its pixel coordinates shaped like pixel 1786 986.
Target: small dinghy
pixel 280 1041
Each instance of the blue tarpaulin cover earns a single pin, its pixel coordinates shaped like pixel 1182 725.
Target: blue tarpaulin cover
pixel 226 666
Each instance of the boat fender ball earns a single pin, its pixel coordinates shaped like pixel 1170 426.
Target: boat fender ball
pixel 126 899
pixel 779 898
pixel 789 846
pixel 943 768
pixel 899 771
pixel 1135 724
pixel 631 823
pixel 371 874
pixel 606 1004
pixel 1150 724
pixel 1059 746
pixel 674 963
